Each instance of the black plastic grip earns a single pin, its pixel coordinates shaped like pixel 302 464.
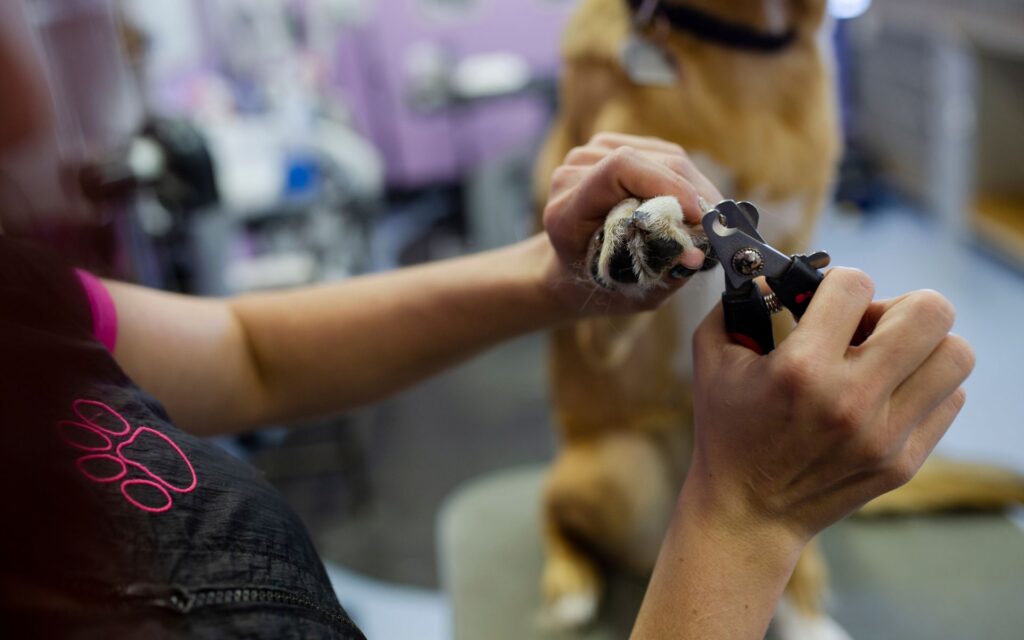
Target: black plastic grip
pixel 796 286
pixel 748 321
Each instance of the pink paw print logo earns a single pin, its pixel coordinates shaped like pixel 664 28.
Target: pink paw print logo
pixel 148 464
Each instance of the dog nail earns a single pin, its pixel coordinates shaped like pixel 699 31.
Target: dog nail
pixel 679 272
pixel 710 257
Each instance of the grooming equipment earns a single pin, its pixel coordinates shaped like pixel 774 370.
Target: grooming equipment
pixel 731 228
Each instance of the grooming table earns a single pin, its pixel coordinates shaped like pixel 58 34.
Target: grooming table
pixel 902 578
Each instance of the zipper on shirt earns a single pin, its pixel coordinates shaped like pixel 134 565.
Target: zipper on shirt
pixel 182 600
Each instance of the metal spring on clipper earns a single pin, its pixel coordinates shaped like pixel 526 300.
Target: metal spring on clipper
pixel 772 302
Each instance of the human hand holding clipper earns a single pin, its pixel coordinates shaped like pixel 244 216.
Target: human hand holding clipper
pixel 787 443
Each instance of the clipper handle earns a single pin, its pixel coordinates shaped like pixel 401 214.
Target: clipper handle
pixel 748 321
pixel 796 286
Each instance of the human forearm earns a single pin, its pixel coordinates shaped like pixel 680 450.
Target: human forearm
pixel 720 572
pixel 330 348
pixel 229 365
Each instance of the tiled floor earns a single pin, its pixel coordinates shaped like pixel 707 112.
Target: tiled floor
pixel 372 500
pixel 386 610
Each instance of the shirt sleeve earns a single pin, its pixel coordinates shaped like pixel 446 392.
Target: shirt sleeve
pixel 101 307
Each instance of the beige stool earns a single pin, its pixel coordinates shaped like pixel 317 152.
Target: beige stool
pixel 952 577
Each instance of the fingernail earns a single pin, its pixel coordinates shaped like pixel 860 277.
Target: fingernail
pixel 679 272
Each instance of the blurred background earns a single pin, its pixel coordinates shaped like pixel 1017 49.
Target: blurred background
pixel 222 146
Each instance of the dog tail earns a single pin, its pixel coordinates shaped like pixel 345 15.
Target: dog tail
pixel 945 485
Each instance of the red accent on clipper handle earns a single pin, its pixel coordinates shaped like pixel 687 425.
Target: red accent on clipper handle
pixel 796 286
pixel 748 321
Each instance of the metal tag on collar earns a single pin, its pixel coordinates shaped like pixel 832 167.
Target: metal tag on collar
pixel 646 62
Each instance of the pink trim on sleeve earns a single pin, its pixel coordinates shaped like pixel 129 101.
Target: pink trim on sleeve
pixel 101 305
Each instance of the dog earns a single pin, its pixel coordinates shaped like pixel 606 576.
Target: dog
pixel 745 86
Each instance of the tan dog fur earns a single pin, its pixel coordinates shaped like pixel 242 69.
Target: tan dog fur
pixel 622 404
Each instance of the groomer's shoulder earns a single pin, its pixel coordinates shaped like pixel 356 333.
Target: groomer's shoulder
pixel 39 288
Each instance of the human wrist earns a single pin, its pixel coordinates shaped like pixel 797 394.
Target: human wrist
pixel 728 564
pixel 729 519
pixel 557 288
pixel 544 281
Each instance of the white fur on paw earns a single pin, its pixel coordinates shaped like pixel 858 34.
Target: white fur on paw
pixel 792 624
pixel 666 208
pixel 571 611
pixel 629 224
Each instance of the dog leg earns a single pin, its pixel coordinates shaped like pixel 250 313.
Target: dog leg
pixel 608 498
pixel 790 623
pixel 571 584
pixel 800 614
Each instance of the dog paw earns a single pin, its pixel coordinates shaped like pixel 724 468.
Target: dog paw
pixel 572 593
pixel 639 243
pixel 571 611
pixel 792 624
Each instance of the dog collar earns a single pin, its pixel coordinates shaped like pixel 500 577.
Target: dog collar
pixel 711 28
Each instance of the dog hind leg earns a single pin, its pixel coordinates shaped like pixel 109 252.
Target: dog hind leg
pixel 801 614
pixel 571 584
pixel 608 498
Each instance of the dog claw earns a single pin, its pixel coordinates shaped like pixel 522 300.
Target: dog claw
pixel 679 272
pixel 571 611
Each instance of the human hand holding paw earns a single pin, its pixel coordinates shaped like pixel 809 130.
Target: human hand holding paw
pixel 623 217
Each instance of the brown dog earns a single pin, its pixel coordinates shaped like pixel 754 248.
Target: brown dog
pixel 750 98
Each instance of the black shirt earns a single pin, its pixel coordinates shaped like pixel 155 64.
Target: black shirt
pixel 115 523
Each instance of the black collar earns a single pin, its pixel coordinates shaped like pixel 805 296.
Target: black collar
pixel 708 27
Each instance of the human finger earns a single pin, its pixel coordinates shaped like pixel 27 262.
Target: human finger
pixel 904 337
pixel 622 174
pixel 835 312
pixel 874 313
pixel 669 154
pixel 563 180
pixel 711 340
pixel 591 155
pixel 686 168
pixel 920 442
pixel 941 374
pixel 586 156
pixel 613 140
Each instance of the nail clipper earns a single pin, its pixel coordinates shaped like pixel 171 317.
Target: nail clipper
pixel 731 229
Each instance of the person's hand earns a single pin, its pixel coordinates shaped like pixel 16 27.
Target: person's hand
pixel 807 434
pixel 590 182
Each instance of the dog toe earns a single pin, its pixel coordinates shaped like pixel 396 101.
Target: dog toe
pixel 571 611
pixel 620 266
pixel 572 587
pixel 790 623
pixel 661 252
